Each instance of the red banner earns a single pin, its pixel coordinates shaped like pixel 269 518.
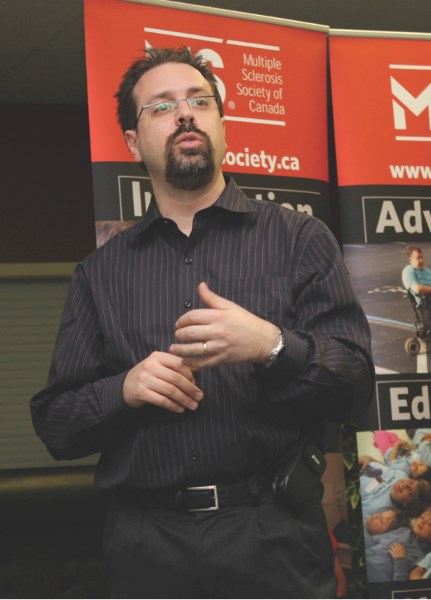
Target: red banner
pixel 382 119
pixel 271 75
pixel 381 90
pixel 272 79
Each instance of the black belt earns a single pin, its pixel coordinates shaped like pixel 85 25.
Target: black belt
pixel 198 498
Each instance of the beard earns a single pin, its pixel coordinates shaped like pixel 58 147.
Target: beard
pixel 190 168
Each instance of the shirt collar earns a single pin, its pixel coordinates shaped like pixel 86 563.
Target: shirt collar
pixel 231 199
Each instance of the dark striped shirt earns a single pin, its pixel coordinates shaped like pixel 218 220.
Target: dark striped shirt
pixel 122 305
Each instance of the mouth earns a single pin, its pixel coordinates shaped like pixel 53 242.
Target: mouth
pixel 188 140
pixel 399 487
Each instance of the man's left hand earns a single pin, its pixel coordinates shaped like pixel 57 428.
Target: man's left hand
pixel 222 333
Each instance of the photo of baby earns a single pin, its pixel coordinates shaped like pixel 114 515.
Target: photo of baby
pixel 395 485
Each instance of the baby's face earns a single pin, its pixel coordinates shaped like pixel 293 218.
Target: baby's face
pixel 405 491
pixel 381 522
pixel 422 526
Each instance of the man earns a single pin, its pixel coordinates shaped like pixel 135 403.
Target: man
pixel 416 276
pixel 196 350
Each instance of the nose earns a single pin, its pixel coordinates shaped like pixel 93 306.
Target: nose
pixel 183 113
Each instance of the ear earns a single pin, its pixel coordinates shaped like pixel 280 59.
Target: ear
pixel 131 138
pixel 223 124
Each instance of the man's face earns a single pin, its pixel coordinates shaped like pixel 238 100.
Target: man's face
pixel 381 522
pixel 416 260
pixel 184 148
pixel 405 491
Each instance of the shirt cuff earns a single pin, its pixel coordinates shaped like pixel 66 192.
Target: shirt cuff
pixel 292 361
pixel 112 395
pixel 400 568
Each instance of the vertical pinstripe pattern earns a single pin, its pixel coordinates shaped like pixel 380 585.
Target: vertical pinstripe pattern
pixel 122 305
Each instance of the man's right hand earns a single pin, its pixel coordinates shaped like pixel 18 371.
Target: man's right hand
pixel 163 380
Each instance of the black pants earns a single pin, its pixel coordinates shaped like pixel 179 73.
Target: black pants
pixel 239 551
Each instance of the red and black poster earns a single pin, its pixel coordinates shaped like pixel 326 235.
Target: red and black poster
pixel 272 78
pixel 381 90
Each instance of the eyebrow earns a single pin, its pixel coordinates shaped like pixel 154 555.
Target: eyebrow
pixel 170 94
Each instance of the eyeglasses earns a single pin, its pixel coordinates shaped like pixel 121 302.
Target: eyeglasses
pixel 161 109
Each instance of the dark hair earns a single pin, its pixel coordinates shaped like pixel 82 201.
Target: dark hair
pixel 427 475
pixel 411 249
pixel 418 505
pixel 401 519
pixel 154 57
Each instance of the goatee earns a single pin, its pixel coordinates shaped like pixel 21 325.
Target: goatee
pixel 189 168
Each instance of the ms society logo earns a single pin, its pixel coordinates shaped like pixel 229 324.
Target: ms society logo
pixel 411 102
pixel 259 80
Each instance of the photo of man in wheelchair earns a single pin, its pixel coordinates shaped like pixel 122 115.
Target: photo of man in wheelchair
pixel 416 278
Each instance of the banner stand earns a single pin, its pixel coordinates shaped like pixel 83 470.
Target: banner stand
pixel 381 91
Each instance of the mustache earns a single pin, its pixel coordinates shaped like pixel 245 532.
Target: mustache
pixel 187 128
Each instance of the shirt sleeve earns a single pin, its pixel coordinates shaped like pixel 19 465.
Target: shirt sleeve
pixel 408 277
pixel 81 408
pixel 424 451
pixel 425 562
pixel 326 369
pixel 401 572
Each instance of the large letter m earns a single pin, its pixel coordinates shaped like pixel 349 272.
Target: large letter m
pixel 404 99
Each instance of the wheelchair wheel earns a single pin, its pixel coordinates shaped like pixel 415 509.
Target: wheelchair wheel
pixel 412 346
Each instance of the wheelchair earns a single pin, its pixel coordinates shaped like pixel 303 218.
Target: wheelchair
pixel 422 324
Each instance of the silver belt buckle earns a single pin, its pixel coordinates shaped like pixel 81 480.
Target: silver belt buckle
pixel 206 487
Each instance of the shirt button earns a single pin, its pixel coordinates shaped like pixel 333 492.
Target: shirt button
pixel 194 455
pixel 188 260
pixel 188 303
